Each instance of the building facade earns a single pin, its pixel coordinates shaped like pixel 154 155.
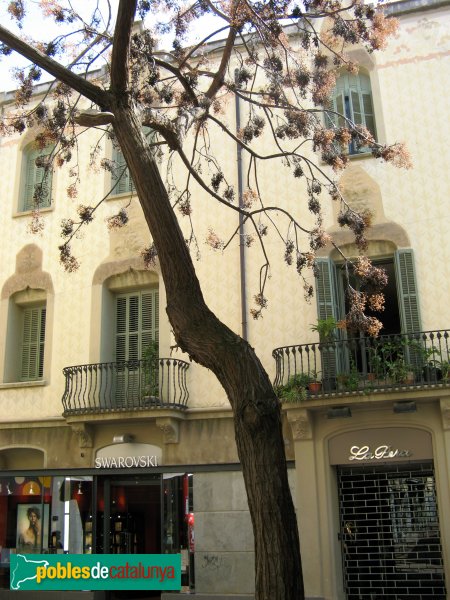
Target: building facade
pixel 115 442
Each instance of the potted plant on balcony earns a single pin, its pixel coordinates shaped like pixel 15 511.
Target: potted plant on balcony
pixel 431 360
pixel 349 381
pixel 294 390
pixel 326 328
pixel 445 371
pixel 314 384
pixel 397 370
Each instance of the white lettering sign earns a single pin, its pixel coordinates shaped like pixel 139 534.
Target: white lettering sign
pixel 379 453
pixel 121 462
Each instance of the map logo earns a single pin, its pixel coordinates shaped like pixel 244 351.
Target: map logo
pixel 95 572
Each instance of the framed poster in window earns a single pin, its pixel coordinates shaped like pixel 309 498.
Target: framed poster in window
pixel 32 528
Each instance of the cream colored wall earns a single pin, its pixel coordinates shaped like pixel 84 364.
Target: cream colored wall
pixel 408 80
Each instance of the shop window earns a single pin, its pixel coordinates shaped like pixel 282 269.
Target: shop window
pixel 352 100
pixel 37 179
pixel 44 515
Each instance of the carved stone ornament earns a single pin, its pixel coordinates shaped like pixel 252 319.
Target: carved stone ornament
pixel 300 423
pixel 29 259
pixel 445 411
pixel 84 433
pixel 170 429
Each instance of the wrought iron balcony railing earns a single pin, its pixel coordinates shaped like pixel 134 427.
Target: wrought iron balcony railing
pixel 122 386
pixel 364 363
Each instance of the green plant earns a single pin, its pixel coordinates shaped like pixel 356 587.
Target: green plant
pixel 445 370
pixel 397 369
pixel 295 389
pixel 349 381
pixel 326 328
pixel 313 376
pixel 376 362
pixel 150 376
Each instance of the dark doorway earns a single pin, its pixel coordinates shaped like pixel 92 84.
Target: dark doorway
pixel 130 522
pixel 390 535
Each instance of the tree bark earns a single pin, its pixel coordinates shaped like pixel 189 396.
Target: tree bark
pixel 256 409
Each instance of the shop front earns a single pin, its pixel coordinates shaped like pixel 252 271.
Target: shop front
pixel 388 514
pixel 96 511
pixel 373 485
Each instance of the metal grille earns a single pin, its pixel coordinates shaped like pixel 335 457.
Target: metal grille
pixel 390 536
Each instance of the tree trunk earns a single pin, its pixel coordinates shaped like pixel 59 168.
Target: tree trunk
pixel 256 410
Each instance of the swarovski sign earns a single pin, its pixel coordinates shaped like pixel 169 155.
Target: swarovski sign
pixel 383 452
pixel 120 462
pixel 128 456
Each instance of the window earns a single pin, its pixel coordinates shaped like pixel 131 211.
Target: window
pixel 137 333
pixel 121 175
pixel 352 98
pixel 137 324
pixel 121 178
pixel 402 314
pixel 32 347
pixel 25 336
pixel 37 184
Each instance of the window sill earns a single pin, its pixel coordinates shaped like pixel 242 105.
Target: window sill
pixel 360 155
pixel 121 196
pixel 22 384
pixel 28 213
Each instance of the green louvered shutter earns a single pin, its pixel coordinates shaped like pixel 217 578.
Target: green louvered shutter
pixel 122 174
pixel 326 289
pixel 34 176
pixel 408 299
pixel 125 185
pixel 327 306
pixel 137 324
pixel 33 340
pixel 407 291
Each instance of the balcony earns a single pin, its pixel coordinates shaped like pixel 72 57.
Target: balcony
pixel 355 366
pixel 134 385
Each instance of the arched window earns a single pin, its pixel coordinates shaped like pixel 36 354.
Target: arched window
pixel 352 99
pixel 37 180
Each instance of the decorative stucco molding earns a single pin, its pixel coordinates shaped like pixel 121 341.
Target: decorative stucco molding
pixel 28 273
pixel 445 412
pixel 84 433
pixel 300 422
pixel 170 429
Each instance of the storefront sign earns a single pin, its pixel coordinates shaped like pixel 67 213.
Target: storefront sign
pixel 128 456
pixel 121 462
pixel 379 453
pixel 386 444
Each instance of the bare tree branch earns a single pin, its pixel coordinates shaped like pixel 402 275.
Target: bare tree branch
pixel 81 85
pixel 121 45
